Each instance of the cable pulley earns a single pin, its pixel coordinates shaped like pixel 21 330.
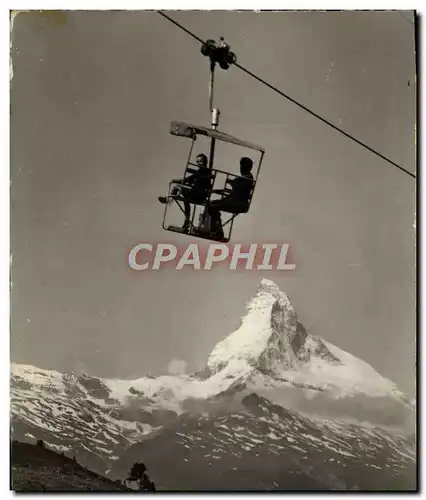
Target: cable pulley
pixel 219 52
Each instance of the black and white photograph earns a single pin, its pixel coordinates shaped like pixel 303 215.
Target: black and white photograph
pixel 213 254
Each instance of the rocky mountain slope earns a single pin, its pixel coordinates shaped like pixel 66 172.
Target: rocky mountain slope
pixel 264 446
pixel 39 469
pixel 268 374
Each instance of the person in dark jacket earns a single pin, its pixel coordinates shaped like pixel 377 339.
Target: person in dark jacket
pixel 195 188
pixel 237 201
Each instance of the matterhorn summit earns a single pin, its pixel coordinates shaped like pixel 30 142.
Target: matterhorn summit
pixel 271 341
pixel 265 336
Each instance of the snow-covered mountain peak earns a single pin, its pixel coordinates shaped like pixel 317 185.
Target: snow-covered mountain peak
pixel 266 337
pixel 270 342
pixel 267 292
pixel 267 286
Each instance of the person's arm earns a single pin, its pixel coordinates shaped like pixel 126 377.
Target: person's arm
pixel 186 180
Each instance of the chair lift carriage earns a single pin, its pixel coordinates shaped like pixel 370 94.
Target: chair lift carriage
pixel 218 53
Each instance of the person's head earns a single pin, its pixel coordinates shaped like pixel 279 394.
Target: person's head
pixel 201 160
pixel 246 164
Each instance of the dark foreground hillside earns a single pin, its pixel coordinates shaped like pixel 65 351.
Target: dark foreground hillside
pixel 34 468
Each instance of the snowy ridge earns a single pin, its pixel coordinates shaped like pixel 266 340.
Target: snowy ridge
pixel 65 412
pixel 270 349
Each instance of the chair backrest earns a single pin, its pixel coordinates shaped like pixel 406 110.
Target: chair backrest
pixel 230 191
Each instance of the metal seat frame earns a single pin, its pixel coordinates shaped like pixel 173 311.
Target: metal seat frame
pixel 191 131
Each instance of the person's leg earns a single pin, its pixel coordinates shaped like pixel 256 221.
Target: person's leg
pixel 215 220
pixel 174 192
pixel 187 207
pixel 196 197
pixel 186 194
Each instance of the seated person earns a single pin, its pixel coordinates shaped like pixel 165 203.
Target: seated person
pixel 235 202
pixel 195 188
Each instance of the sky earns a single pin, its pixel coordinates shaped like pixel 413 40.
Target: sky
pixel 92 97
